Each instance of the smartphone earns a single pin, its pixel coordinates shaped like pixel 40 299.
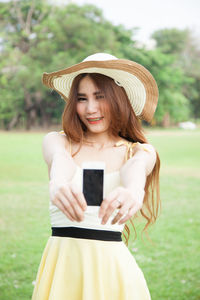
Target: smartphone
pixel 93 180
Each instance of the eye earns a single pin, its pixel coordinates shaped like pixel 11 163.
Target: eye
pixel 81 99
pixel 100 96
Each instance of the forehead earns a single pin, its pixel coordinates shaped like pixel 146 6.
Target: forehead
pixel 87 84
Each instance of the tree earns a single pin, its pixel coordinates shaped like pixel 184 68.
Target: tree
pixel 172 105
pixel 185 48
pixel 37 37
pixel 19 75
pixel 171 41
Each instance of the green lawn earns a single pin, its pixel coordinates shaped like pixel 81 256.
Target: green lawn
pixel 170 264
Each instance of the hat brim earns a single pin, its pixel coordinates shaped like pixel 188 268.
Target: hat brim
pixel 139 84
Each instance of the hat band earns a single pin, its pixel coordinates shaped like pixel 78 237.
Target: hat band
pixel 133 86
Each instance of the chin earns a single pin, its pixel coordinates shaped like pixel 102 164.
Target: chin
pixel 97 130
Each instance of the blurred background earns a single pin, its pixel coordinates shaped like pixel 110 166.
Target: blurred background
pixel 44 36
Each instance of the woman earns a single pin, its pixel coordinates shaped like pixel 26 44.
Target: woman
pixel 85 258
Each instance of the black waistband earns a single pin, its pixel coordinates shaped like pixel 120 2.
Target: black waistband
pixel 83 233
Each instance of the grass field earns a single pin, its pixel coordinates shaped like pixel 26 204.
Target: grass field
pixel 170 264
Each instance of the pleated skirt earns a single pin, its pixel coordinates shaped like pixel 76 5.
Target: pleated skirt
pixel 85 269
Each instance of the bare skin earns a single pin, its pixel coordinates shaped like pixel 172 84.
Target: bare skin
pixel 93 110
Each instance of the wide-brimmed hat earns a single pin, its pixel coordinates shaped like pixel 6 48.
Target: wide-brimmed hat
pixel 139 84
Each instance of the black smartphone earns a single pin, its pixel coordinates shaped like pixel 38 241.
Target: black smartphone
pixel 93 179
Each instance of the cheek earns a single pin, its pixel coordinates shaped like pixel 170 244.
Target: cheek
pixel 105 108
pixel 79 109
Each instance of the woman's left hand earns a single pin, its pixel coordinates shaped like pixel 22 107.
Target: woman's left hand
pixel 129 197
pixel 127 201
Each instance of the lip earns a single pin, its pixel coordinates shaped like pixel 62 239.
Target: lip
pixel 95 120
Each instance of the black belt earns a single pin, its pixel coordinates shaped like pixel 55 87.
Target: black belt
pixel 83 233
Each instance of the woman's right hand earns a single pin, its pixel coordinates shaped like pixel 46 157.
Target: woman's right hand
pixel 61 166
pixel 68 199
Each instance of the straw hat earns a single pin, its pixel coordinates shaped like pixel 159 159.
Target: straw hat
pixel 139 84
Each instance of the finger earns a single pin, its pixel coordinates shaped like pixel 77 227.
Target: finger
pixel 61 207
pixel 130 213
pixel 68 206
pixel 79 197
pixel 73 205
pixel 104 205
pixel 110 209
pixel 64 196
pixel 121 213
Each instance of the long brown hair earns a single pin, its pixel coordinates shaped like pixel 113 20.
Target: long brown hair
pixel 124 123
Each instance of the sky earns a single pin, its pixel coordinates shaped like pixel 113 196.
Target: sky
pixel 150 15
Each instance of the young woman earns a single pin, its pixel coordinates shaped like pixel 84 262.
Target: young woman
pixel 85 258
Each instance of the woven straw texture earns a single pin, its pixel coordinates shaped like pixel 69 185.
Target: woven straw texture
pixel 137 81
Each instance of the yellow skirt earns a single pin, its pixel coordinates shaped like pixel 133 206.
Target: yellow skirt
pixel 84 269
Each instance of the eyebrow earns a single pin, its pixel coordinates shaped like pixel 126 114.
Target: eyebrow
pixel 95 93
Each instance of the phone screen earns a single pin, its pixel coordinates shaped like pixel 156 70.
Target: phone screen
pixel 93 186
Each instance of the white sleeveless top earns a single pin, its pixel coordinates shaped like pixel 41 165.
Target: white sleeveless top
pixel 91 219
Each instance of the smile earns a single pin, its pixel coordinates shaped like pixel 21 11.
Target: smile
pixel 94 120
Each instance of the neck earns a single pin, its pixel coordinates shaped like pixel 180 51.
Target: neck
pixel 100 140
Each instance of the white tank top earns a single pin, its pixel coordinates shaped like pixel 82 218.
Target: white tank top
pixel 91 219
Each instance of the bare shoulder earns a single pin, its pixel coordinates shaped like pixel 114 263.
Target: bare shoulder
pixel 144 154
pixel 145 151
pixel 56 138
pixel 138 147
pixel 54 142
pixel 56 135
pixel 147 148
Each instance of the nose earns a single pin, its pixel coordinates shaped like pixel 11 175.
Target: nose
pixel 92 106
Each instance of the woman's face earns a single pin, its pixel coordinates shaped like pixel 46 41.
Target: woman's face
pixel 92 107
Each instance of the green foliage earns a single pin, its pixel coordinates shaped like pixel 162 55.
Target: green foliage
pixel 51 38
pixel 186 52
pixel 175 104
pixel 171 41
pixel 170 79
pixel 38 37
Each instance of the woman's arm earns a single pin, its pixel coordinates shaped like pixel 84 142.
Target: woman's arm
pixel 59 161
pixel 61 167
pixel 133 178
